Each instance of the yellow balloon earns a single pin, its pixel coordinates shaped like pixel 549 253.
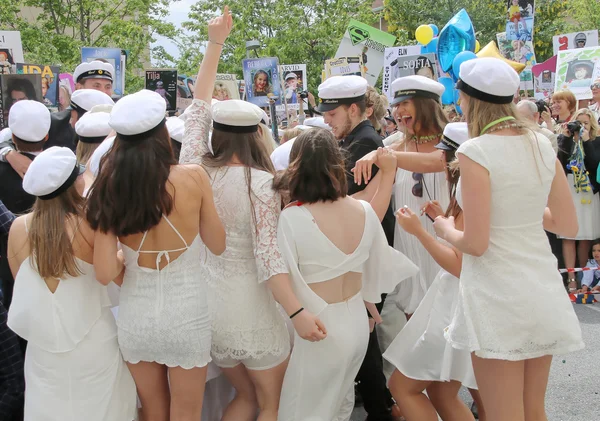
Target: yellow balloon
pixel 491 50
pixel 424 34
pixel 477 46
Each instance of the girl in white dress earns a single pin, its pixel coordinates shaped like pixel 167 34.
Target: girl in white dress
pixel 422 357
pixel 73 366
pixel 250 339
pixel 159 211
pixel 512 187
pixel 335 263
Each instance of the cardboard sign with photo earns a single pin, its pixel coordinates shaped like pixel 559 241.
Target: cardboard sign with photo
pixel 262 80
pixel 543 78
pixel 575 40
pixel 576 70
pixel 112 56
pixel 226 87
pixel 50 81
pixel 11 51
pixel 164 83
pixel 421 64
pixel 14 88
pixel 295 82
pixel 520 17
pixel 390 64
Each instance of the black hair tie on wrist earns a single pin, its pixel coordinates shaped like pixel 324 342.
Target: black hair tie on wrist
pixel 296 313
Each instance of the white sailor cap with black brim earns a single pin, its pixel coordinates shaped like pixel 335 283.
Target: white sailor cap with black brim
pixel 94 70
pixel 83 100
pixel 51 173
pixel 29 121
pixel 488 79
pixel 408 87
pixel 341 90
pixel 455 134
pixel 236 116
pixel 93 126
pixel 138 116
pixel 176 128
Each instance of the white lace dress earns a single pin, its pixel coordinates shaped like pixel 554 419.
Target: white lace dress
pixel 246 321
pixel 512 304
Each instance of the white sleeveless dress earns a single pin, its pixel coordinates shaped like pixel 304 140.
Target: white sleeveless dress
pixel 73 366
pixel 163 313
pixel 512 304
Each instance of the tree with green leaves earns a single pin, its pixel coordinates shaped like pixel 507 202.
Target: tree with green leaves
pixel 295 31
pixel 405 16
pixel 62 27
pixel 550 20
pixel 585 14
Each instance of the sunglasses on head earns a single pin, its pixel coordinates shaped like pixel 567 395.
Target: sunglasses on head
pixel 595 86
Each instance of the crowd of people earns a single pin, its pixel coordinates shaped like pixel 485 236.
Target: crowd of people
pixel 184 268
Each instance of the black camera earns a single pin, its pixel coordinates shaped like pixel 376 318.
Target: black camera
pixel 542 106
pixel 574 127
pixel 303 94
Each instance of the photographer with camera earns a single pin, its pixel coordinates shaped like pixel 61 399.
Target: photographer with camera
pixel 533 111
pixel 579 153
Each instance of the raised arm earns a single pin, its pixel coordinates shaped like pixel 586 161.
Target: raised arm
pixel 197 117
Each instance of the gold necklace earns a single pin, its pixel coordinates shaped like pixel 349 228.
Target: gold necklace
pixel 419 140
pixel 504 126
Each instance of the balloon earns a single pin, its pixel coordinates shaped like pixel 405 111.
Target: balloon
pixel 456 106
pixel 457 36
pixel 431 47
pixel 491 50
pixel 436 30
pixel 424 34
pixel 448 95
pixel 477 46
pixel 460 59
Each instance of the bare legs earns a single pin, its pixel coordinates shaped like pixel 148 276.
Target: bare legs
pixel 575 255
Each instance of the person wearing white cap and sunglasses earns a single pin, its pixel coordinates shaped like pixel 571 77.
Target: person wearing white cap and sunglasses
pixel 343 105
pixel 251 343
pixel 161 213
pixel 29 122
pixel 422 358
pixel 92 128
pixel 512 188
pixel 73 366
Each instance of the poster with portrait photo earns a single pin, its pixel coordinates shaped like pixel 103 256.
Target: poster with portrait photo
pixel 226 87
pixel 14 88
pixel 66 87
pixel 262 80
pixel 520 16
pixel 295 81
pixel 576 69
pixel 575 40
pixel 164 83
pixel 516 50
pixel 11 51
pixel 543 78
pixel 50 81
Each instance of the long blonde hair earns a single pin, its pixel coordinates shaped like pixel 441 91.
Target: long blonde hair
pixel 84 151
pixel 593 122
pixel 50 243
pixel 379 103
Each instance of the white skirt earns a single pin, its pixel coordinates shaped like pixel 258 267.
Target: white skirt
pixel 319 381
pixel 90 383
pixel 588 214
pixel 420 350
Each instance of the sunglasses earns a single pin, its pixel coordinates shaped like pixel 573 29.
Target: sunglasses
pixel 595 86
pixel 417 189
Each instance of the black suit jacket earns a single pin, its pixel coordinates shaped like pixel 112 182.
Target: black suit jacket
pixel 18 202
pixel 61 133
pixel 362 140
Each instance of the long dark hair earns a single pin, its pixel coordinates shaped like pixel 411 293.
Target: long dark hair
pixel 316 172
pixel 429 116
pixel 453 175
pixel 130 194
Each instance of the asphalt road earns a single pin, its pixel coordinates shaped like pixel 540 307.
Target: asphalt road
pixel 574 386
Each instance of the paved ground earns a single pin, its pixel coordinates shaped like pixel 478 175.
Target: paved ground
pixel 574 386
